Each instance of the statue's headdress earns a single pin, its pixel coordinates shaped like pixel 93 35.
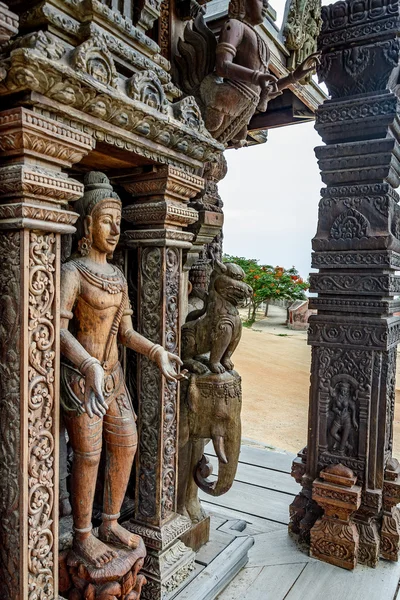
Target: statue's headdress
pixel 236 9
pixel 98 194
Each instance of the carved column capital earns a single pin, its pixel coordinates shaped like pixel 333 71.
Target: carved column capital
pixel 161 209
pixel 167 182
pixel 35 137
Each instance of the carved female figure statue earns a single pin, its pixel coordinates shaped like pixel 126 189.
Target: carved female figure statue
pixel 94 313
pixel 344 415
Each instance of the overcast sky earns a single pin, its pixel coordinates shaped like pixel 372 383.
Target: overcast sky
pixel 271 195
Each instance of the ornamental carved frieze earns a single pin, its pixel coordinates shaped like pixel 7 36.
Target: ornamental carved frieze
pixel 38 183
pixel 363 258
pixel 23 132
pixel 346 22
pixel 158 539
pixel 93 57
pixel 22 214
pixel 87 83
pixel 147 88
pixel 43 43
pixel 379 337
pixel 354 283
pixel 169 181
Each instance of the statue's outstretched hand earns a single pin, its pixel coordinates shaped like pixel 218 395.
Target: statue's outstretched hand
pixel 94 401
pixel 307 66
pixel 169 364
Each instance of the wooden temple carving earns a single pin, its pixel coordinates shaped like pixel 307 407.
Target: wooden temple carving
pixel 355 335
pixel 98 133
pixel 231 79
pixel 211 399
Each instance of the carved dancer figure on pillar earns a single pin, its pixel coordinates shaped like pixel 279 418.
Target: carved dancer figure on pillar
pixel 344 416
pixel 95 312
pixel 238 82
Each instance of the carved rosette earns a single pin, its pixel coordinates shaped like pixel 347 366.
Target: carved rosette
pixel 357 249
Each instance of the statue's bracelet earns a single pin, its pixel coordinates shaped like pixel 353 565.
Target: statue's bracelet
pixel 88 362
pixel 255 77
pixel 153 351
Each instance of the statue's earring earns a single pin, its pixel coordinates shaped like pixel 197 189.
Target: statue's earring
pixel 86 241
pixel 84 246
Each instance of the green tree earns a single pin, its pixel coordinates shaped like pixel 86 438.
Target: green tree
pixel 269 283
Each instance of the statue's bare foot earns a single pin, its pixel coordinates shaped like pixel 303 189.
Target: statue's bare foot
pixel 111 531
pixel 93 551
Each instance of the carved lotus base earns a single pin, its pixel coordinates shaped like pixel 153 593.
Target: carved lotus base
pixel 119 579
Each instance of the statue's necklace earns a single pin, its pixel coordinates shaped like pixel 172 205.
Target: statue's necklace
pixel 113 284
pixel 261 47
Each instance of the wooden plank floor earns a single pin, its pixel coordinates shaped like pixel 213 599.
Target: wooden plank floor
pixel 258 504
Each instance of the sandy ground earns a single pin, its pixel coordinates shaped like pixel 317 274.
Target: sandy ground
pixel 274 363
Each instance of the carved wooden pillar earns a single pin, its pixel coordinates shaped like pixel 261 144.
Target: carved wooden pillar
pixel 33 214
pixel 159 213
pixel 357 251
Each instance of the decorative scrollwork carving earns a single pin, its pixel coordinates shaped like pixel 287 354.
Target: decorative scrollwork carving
pixel 170 392
pixel 41 373
pixel 150 380
pixel 9 414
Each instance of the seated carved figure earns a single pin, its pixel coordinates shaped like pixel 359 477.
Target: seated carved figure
pixel 97 408
pixel 216 329
pixel 237 83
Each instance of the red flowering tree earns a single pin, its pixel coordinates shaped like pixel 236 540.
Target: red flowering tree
pixel 269 283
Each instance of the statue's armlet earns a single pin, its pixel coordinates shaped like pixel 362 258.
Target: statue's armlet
pixel 231 33
pixel 229 40
pixel 70 289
